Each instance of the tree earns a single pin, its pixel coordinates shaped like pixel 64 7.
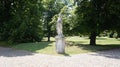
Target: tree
pixel 68 17
pixel 51 8
pixel 25 24
pixel 114 10
pixel 93 18
pixel 5 11
pixel 68 20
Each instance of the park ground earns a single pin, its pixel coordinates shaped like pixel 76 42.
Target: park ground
pixel 74 45
pixel 18 58
pixel 78 53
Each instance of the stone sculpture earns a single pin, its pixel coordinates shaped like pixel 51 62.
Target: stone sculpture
pixel 60 42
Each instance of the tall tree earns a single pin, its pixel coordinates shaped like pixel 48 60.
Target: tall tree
pixel 52 8
pixel 25 24
pixel 68 18
pixel 114 17
pixel 92 18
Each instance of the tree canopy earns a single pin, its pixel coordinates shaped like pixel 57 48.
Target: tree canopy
pixel 95 16
pixel 30 21
pixel 21 20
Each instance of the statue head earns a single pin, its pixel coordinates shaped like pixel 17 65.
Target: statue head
pixel 59 18
pixel 60 15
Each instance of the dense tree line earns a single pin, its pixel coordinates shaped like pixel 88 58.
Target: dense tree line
pixel 30 21
pixel 27 21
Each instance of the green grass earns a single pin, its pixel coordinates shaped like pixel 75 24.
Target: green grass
pixel 75 45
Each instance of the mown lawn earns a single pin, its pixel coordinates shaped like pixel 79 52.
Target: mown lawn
pixel 74 45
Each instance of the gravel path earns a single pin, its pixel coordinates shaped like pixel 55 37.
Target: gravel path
pixel 17 58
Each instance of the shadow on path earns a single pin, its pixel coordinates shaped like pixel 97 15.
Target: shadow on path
pixel 109 51
pixel 8 52
pixel 114 53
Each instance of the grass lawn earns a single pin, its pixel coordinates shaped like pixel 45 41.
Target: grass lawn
pixel 74 45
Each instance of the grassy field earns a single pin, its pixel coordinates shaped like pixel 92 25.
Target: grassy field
pixel 74 45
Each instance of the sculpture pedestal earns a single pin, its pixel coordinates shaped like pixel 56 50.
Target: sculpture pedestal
pixel 60 44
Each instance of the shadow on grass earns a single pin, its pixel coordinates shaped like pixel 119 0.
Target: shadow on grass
pixel 10 51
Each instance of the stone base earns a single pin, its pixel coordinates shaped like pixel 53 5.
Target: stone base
pixel 60 44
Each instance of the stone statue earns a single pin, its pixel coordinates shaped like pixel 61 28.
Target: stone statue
pixel 59 25
pixel 60 42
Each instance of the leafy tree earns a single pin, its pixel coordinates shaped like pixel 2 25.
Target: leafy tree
pixel 25 24
pixel 51 8
pixel 68 18
pixel 5 11
pixel 114 10
pixel 93 17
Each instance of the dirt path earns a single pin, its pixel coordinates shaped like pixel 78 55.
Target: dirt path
pixel 17 58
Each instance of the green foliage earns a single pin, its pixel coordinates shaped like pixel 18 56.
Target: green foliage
pixel 27 21
pixel 24 24
pixel 68 18
pixel 95 16
pixel 5 11
pixel 51 8
pixel 114 17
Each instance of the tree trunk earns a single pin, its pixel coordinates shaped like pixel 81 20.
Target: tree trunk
pixel 48 36
pixel 93 38
pixel 49 33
